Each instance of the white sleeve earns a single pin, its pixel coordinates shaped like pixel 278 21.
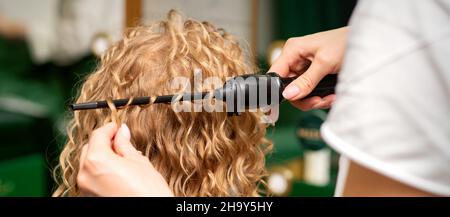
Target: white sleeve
pixel 392 112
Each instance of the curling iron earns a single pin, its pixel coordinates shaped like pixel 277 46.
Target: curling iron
pixel 239 93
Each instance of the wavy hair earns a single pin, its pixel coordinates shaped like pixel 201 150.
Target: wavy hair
pixel 198 153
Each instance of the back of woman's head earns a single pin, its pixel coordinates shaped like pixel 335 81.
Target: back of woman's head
pixel 198 153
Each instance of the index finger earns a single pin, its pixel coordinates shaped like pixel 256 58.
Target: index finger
pixel 280 66
pixel 293 58
pixel 100 140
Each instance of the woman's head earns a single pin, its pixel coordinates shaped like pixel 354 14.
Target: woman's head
pixel 198 153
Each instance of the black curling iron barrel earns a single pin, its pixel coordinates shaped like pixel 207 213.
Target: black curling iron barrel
pixel 239 93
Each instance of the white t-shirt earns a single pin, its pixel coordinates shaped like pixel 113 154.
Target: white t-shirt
pixel 392 112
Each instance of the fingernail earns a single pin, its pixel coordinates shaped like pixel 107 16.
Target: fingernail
pixel 318 105
pixel 125 131
pixel 291 91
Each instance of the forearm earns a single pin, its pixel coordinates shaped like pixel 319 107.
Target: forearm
pixel 361 181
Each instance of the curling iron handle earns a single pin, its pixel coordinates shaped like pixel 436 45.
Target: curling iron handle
pixel 325 87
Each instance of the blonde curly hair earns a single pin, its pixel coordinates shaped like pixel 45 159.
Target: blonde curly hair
pixel 198 153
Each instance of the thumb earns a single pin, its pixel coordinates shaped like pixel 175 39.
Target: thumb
pixel 306 82
pixel 122 144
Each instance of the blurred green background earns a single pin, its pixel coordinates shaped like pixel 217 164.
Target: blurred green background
pixel 33 99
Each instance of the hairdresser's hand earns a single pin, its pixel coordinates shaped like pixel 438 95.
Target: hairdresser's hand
pixel 313 57
pixel 111 166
